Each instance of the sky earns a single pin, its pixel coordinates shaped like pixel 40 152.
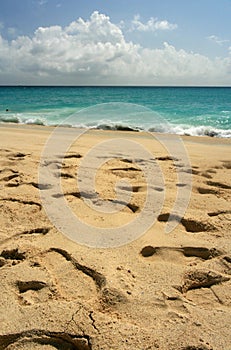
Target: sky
pixel 115 42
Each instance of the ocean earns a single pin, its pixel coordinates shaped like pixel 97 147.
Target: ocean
pixel 193 111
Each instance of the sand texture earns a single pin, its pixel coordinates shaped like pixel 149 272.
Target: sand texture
pixel 160 291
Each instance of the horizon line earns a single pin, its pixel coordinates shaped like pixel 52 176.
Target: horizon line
pixel 119 86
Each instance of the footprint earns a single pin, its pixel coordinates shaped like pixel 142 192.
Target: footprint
pixel 24 286
pixel 10 177
pixel 125 160
pixel 148 251
pixel 194 226
pixel 199 252
pixel 201 279
pixel 11 257
pixel 37 338
pixel 206 174
pixel 190 225
pixel 164 158
pixel 98 278
pixel 67 176
pixel 211 171
pixel 228 259
pixel 87 195
pixel 38 230
pixel 158 189
pixel 8 170
pixel 219 212
pixel 133 207
pixel 39 186
pixel 202 190
pixel 166 216
pixel 72 156
pixel 125 169
pixel 72 281
pixel 226 164
pixel 195 172
pixel 13 254
pixel 190 171
pixel 17 155
pixel 21 201
pixel 219 185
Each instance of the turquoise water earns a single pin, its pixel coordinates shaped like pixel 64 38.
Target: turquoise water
pixel 181 110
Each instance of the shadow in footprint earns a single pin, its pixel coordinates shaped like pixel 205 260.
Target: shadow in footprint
pixel 219 212
pixel 13 254
pixel 190 225
pixel 97 277
pixel 202 190
pixel 24 286
pixel 219 185
pixel 21 201
pixel 198 252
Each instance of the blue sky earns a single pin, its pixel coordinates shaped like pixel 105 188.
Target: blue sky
pixel 168 42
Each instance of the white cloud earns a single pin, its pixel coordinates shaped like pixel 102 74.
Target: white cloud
pixel 95 51
pixel 42 2
pixel 152 25
pixel 217 40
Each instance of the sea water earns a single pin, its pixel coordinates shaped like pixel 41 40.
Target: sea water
pixel 180 110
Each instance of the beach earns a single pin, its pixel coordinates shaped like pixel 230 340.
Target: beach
pixel 146 289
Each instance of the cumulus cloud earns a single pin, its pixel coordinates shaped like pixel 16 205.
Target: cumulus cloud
pixel 152 25
pixel 96 52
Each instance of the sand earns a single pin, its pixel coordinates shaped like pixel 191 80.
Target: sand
pixel 156 291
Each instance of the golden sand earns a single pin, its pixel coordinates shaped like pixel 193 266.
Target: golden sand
pixel 158 291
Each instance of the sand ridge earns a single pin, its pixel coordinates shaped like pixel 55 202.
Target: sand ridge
pixel 161 291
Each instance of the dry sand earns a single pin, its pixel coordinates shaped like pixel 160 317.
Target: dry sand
pixel 160 291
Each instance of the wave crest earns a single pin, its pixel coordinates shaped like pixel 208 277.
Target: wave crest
pixel 166 128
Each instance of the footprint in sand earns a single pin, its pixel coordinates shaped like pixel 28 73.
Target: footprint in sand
pixel 77 281
pixel 190 225
pixel 197 279
pixel 198 252
pixel 34 231
pixel 226 164
pixel 10 177
pixel 203 190
pixel 219 185
pixel 39 338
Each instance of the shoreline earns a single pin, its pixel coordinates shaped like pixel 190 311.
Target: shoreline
pixel 185 138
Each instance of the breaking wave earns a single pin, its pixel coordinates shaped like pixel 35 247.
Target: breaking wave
pixel 167 128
